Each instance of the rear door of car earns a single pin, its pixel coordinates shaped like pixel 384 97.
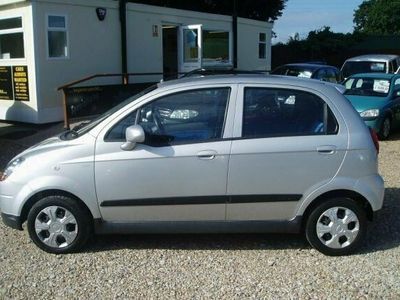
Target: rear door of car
pixel 288 143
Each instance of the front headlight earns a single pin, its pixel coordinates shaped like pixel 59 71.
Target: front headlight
pixel 371 113
pixel 12 165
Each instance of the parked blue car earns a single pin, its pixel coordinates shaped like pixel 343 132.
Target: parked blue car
pixel 376 96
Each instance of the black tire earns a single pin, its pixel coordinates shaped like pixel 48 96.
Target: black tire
pixel 384 132
pixel 318 212
pixel 83 222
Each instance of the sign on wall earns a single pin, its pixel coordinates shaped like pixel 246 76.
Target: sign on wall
pixel 20 83
pixel 6 88
pixel 14 84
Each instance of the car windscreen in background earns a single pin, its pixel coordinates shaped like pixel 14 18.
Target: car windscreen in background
pixel 357 67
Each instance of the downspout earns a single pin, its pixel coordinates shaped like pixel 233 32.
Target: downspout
pixel 235 33
pixel 124 59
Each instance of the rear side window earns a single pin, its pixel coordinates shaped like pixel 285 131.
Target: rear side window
pixel 278 112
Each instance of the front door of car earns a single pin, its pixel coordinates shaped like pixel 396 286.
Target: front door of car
pixel 179 173
pixel 290 145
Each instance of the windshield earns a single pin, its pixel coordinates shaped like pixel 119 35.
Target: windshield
pixel 375 87
pixel 293 71
pixel 85 127
pixel 357 67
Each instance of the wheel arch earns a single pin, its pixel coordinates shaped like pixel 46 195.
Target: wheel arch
pixel 42 194
pixel 360 199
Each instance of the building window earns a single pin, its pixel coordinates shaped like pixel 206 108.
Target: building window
pixel 191 47
pixel 262 46
pixel 57 36
pixel 11 38
pixel 216 46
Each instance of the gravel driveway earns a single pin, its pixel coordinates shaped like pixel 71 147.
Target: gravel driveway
pixel 206 266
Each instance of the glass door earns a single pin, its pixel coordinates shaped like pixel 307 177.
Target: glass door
pixel 190 52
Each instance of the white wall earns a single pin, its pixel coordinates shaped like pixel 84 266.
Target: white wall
pixel 145 53
pixel 248 38
pixel 21 110
pixel 94 47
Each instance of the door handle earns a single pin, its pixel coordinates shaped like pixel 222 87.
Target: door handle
pixel 328 149
pixel 207 154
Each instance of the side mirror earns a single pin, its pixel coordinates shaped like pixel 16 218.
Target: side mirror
pixel 134 134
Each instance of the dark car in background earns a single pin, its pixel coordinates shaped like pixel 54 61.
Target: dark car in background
pixel 310 70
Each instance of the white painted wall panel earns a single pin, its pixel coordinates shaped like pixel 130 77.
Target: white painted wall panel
pixel 94 47
pixel 248 38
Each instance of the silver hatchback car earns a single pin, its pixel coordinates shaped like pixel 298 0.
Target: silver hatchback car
pixel 244 153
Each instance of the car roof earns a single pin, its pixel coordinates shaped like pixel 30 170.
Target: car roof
pixel 388 76
pixel 374 57
pixel 246 79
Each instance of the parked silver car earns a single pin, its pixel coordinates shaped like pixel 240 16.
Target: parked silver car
pixel 237 153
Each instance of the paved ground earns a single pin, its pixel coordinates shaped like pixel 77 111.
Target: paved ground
pixel 203 266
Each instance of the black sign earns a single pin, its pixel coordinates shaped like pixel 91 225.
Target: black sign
pixel 20 83
pixel 6 88
pixel 101 13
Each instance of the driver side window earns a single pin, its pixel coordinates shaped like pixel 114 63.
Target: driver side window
pixel 185 117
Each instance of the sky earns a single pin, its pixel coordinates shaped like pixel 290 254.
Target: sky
pixel 302 16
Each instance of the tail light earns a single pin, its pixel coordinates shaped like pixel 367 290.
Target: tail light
pixel 375 139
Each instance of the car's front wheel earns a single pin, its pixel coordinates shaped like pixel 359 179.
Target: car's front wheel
pixel 336 226
pixel 59 224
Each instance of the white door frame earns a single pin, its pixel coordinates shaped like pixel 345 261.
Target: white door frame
pixel 189 66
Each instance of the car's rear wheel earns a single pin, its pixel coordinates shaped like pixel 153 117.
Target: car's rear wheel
pixel 385 129
pixel 59 224
pixel 336 226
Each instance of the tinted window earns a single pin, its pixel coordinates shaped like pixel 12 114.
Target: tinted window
pixel 322 75
pixel 329 75
pixel 276 112
pixel 191 116
pixel 332 75
pixel 293 71
pixel 356 67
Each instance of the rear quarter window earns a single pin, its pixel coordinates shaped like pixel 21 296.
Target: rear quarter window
pixel 279 112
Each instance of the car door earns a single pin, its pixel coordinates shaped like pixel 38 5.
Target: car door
pixel 289 143
pixel 179 173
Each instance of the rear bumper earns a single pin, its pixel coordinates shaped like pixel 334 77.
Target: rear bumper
pixel 12 221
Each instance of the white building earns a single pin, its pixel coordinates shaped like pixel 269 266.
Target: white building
pixel 47 43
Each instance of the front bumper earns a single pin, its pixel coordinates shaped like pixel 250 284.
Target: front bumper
pixel 12 221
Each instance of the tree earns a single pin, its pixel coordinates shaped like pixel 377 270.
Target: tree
pixel 264 10
pixel 378 17
pixel 319 45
